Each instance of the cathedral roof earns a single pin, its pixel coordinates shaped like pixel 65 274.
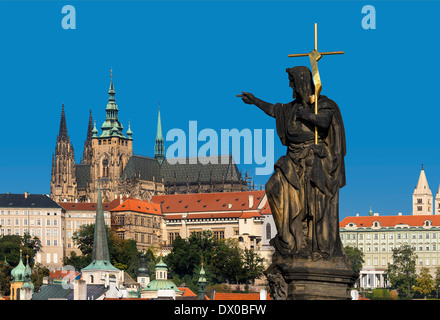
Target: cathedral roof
pixel 82 172
pixel 181 172
pixel 143 167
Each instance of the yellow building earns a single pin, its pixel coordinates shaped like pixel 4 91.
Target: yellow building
pixel 140 221
pixel 21 285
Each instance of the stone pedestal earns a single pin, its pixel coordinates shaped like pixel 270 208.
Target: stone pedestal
pixel 300 278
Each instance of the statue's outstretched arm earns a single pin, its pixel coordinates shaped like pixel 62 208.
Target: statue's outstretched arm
pixel 267 107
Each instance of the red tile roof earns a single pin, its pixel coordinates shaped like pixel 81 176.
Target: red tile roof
pixel 61 274
pixel 391 221
pixel 208 202
pixel 241 215
pixel 136 205
pixel 88 206
pixel 238 296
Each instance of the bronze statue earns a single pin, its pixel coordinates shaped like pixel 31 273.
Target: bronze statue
pixel 303 192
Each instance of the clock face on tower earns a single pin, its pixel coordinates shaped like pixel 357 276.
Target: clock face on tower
pixel 105 162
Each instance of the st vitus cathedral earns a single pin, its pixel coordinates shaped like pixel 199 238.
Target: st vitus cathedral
pixel 108 159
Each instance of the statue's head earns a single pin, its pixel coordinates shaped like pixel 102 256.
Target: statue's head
pixel 301 81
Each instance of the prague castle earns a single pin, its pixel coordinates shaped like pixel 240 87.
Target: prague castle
pixel 109 158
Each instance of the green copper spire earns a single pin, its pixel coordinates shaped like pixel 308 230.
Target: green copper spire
pixel 159 149
pixel 111 119
pixel 100 253
pixel 202 284
pixel 94 131
pixel 129 132
pixel 18 272
pixel 27 276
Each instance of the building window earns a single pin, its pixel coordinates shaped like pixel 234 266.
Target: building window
pixel 268 232
pixel 219 234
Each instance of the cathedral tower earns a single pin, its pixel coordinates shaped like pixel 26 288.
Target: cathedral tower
pixel 110 151
pixel 422 196
pixel 88 151
pixel 63 179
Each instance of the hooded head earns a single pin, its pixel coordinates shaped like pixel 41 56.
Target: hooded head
pixel 301 81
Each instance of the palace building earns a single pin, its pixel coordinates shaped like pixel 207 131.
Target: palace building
pixel 109 158
pixel 377 235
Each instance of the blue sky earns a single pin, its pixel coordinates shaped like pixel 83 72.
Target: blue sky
pixel 194 57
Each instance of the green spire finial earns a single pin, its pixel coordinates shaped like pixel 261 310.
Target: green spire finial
pixel 100 253
pixel 159 149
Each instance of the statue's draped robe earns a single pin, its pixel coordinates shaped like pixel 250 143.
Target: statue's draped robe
pixel 303 192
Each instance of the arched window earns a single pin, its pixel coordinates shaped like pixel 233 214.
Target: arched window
pixel 91 279
pixel 268 231
pixel 105 167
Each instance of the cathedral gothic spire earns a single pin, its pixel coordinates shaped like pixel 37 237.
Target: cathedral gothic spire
pixel 62 135
pixel 63 180
pixel 87 154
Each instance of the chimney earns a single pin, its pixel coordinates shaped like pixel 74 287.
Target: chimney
pixel 79 290
pixel 26 194
pixel 251 201
pixel 107 280
pixel 263 294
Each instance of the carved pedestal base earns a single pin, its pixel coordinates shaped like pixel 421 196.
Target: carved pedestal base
pixel 299 278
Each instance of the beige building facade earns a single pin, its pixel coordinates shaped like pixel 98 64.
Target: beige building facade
pixel 376 236
pixel 244 216
pixel 78 214
pixel 138 220
pixel 39 216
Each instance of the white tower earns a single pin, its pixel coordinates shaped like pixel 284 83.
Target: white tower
pixel 422 196
pixel 437 202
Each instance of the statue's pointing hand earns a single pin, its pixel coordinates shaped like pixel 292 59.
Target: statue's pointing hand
pixel 247 97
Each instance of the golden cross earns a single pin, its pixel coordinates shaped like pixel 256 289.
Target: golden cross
pixel 315 56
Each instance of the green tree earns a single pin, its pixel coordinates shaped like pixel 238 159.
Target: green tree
pixel 226 264
pixel 10 246
pixel 425 283
pixel 356 257
pixel 187 254
pixel 222 260
pixel 38 273
pixel 437 280
pixel 252 265
pixel 123 253
pixel 402 272
pixel 5 279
